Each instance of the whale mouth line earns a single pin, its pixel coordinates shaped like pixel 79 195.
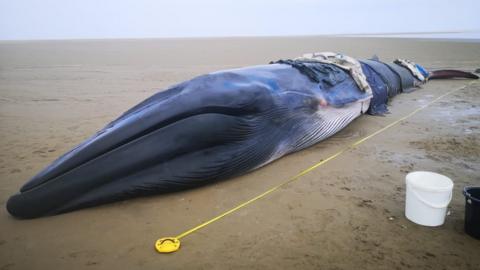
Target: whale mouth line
pixel 29 186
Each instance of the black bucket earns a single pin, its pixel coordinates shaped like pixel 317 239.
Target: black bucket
pixel 472 211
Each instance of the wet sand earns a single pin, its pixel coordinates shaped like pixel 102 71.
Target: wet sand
pixel 347 214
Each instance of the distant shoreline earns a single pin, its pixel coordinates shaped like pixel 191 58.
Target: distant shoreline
pixel 461 36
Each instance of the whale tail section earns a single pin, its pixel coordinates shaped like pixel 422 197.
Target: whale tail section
pixel 450 74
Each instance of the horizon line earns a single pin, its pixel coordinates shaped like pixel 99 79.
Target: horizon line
pixel 375 34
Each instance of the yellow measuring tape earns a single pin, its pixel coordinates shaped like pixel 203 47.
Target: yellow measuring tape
pixel 172 244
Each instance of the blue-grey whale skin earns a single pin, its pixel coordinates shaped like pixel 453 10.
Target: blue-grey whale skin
pixel 210 128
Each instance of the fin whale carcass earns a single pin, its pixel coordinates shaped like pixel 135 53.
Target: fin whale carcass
pixel 210 128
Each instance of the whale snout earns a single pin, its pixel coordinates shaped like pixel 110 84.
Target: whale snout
pixel 16 208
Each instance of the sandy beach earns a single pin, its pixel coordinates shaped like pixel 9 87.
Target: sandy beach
pixel 346 214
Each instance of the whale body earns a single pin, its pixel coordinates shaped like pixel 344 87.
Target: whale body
pixel 212 127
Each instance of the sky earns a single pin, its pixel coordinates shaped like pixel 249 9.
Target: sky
pixel 97 19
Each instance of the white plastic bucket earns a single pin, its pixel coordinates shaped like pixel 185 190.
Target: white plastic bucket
pixel 427 197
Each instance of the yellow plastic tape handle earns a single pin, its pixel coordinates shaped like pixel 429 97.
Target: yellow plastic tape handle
pixel 167 244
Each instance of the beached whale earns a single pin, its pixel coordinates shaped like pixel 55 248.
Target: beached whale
pixel 211 128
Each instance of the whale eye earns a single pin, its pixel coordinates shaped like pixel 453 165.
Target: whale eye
pixel 312 103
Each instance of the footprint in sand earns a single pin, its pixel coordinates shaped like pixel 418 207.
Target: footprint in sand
pixel 15 171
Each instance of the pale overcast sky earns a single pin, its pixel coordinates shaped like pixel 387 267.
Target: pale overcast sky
pixel 66 19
